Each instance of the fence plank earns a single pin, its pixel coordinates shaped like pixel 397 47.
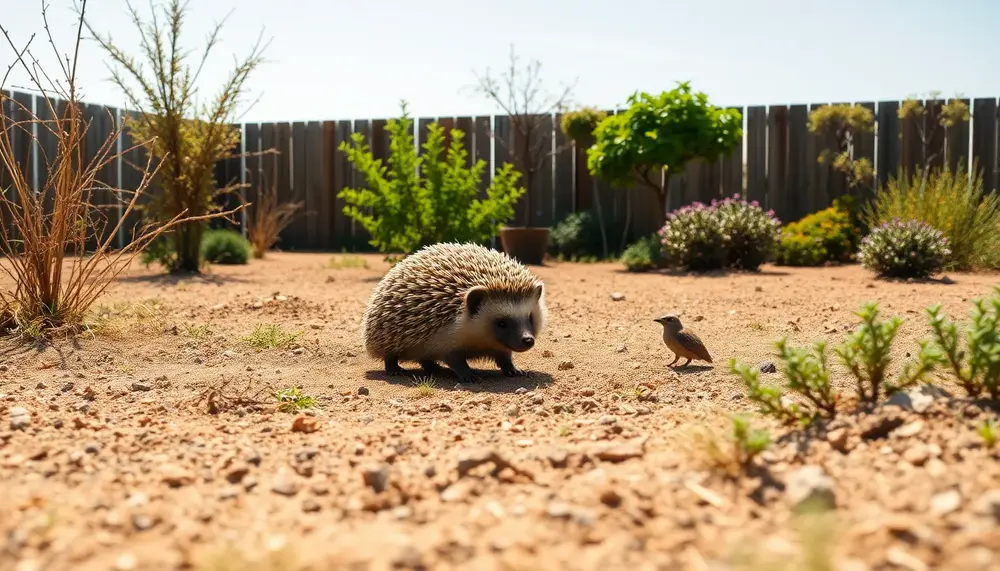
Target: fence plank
pixel 302 234
pixel 103 125
pixel 838 181
pixel 7 112
pixel 757 153
pixel 283 178
pixel 464 124
pixel 312 208
pixel 732 166
pixel 501 156
pixel 483 150
pixel 361 236
pixel 327 156
pixel 777 160
pixel 50 111
pixel 563 191
pixel 798 192
pixel 343 177
pixel 984 140
pixel 251 147
pixel 956 144
pixel 864 145
pixel 23 141
pixel 887 142
pixel 541 191
pixel 821 172
pixel 422 125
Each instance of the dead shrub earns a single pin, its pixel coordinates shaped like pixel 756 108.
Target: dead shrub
pixel 268 218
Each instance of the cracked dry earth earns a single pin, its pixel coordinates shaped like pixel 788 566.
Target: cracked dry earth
pixel 156 442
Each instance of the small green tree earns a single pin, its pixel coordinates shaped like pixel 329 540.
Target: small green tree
pixel 414 201
pixel 579 125
pixel 845 123
pixel 657 135
pixel 186 138
pixel 928 119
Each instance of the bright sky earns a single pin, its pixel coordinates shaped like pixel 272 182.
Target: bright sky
pixel 333 59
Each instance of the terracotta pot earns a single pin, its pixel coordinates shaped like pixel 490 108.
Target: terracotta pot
pixel 528 245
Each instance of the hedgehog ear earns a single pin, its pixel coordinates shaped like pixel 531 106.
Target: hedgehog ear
pixel 538 290
pixel 474 299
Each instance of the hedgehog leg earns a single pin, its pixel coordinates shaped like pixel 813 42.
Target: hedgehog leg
pixel 460 366
pixel 431 367
pixel 392 366
pixel 507 366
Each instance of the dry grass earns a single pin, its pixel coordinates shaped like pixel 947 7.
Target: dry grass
pixel 269 218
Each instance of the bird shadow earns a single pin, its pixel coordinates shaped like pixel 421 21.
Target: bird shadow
pixel 489 380
pixel 692 369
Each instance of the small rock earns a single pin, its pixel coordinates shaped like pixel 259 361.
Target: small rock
pixel 879 425
pixel 142 522
pixel 140 387
pixel 298 350
pixel 363 391
pixel 565 365
pixel 608 419
pixel 228 354
pixel 558 458
pixel 376 477
pixel 918 399
pixel 810 486
pixel 559 510
pixel 917 454
pixel 587 392
pixel 305 424
pixel 284 485
pixel 768 367
pixel 621 349
pixel 175 476
pixel 520 391
pixel 911 429
pixel 546 353
pixel 619 452
pixel 946 280
pixel 310 505
pixel 236 474
pixel 945 502
pixel 40 385
pixel 513 410
pixel 758 289
pixel 617 296
pixel 838 439
pixel 92 448
pixel 610 497
pixel 20 418
pixel 125 562
pixel 988 505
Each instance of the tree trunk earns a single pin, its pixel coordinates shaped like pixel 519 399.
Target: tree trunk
pixel 187 241
pixel 662 194
pixel 628 221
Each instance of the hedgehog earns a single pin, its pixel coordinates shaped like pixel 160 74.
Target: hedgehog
pixel 454 302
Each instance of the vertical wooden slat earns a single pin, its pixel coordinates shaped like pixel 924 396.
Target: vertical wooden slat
pixel 564 190
pixel 910 147
pixel 50 112
pixel 797 192
pixel 820 172
pixel 777 160
pixel 757 153
pixel 582 181
pixel 6 120
pixel 956 143
pixel 361 236
pixel 501 156
pixel 838 181
pixel 343 177
pixel 133 162
pixel 422 124
pixel 103 123
pixel 732 166
pixel 269 165
pixel 864 146
pixel 447 124
pixel 314 207
pixel 540 147
pixel 933 154
pixel 887 142
pixel 303 229
pixel 984 140
pixel 483 150
pixel 282 174
pixel 464 124
pixel 23 141
pixel 254 169
pixel 327 156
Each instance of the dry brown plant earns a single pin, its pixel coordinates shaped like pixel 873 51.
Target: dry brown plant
pixel 45 232
pixel 268 218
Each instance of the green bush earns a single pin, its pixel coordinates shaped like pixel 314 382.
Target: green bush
pixel 751 233
pixel 412 201
pixel 577 236
pixel 643 255
pixel 225 247
pixel 829 235
pixel 977 367
pixel 904 250
pixel 693 239
pixel 951 202
pixel 579 125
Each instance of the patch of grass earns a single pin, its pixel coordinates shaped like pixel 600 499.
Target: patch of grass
pixel 756 326
pixel 342 261
pixel 987 430
pixel 564 431
pixel 198 331
pixel 293 399
pixel 126 318
pixel 271 337
pixel 425 387
pixel 737 455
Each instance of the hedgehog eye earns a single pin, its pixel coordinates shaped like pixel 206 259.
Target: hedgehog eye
pixel 502 324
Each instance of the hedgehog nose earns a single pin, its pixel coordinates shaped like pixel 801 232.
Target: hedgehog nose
pixel 528 341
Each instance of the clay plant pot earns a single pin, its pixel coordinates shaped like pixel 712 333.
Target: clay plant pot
pixel 528 245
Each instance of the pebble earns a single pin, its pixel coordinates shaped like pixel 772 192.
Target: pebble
pixel 610 497
pixel 305 424
pixel 284 485
pixel 810 486
pixel 513 410
pixel 767 367
pixel 608 419
pixel 838 439
pixel 565 365
pixel 617 296
pixel 363 391
pixel 988 505
pixel 918 399
pixel 911 429
pixel 917 454
pixel 140 387
pixel 20 418
pixel 376 477
pixel 309 505
pixel 622 451
pixel 945 502
pixel 587 392
pixel 175 476
pixel 520 391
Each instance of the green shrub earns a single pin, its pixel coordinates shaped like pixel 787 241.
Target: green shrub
pixel 225 247
pixel 693 239
pixel 412 201
pixel 977 367
pixel 825 236
pixel 643 255
pixel 751 232
pixel 904 250
pixel 579 125
pixel 951 202
pixel 577 236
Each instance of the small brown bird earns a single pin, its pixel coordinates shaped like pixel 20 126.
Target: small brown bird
pixel 683 342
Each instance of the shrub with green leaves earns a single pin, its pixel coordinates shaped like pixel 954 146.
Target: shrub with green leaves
pixel 643 255
pixel 225 247
pixel 977 367
pixel 693 239
pixel 951 202
pixel 752 233
pixel 413 201
pixel 825 236
pixel 865 353
pixel 580 124
pixel 577 236
pixel 900 249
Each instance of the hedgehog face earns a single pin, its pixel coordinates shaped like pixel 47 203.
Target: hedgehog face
pixel 512 322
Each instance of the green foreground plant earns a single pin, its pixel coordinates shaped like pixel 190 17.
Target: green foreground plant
pixel 744 444
pixel 413 201
pixel 977 367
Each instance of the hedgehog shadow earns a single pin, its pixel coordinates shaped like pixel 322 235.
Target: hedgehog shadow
pixel 490 381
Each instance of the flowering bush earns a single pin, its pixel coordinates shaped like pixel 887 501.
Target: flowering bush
pixel 752 233
pixel 825 236
pixel 693 238
pixel 909 249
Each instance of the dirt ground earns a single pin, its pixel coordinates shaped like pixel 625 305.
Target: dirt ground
pixel 156 442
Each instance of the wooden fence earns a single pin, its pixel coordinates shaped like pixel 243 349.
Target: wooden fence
pixel 776 165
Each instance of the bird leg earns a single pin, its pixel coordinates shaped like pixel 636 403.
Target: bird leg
pixel 676 358
pixel 507 366
pixel 392 366
pixel 686 363
pixel 431 367
pixel 460 366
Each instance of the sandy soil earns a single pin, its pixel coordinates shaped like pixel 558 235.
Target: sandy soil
pixel 156 442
